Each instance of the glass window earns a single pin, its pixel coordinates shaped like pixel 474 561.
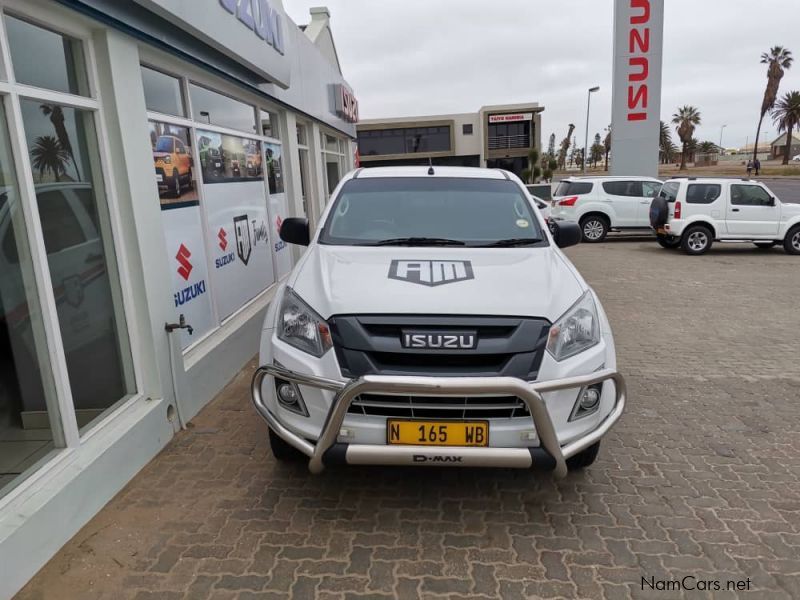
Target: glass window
pixel 65 162
pixel 631 189
pixel 466 129
pixel 650 189
pixel 670 191
pixel 750 195
pixel 302 138
pixel 702 193
pixel 331 144
pixel 162 93
pixel 274 168
pixel 46 59
pixel 472 211
pixel 227 158
pixel 269 124
pixel 217 109
pixel 29 417
pixel 573 188
pixel 332 171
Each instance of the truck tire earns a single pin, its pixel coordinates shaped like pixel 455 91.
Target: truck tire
pixel 584 458
pixel 594 228
pixel 697 240
pixel 282 450
pixel 792 241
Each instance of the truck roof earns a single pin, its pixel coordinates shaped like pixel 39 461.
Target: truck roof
pixel 422 171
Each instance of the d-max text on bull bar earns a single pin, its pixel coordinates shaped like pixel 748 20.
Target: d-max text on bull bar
pixel 434 320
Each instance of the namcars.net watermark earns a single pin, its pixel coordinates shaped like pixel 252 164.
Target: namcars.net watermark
pixel 691 583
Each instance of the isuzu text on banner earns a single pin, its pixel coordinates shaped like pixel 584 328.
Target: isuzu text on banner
pixel 636 100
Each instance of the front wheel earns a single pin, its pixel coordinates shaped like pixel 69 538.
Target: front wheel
pixel 282 450
pixel 792 242
pixel 594 229
pixel 696 240
pixel 584 458
pixel 669 243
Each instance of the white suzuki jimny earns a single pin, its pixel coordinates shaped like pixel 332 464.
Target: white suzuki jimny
pixel 434 320
pixel 692 212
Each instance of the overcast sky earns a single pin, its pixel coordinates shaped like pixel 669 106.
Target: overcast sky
pixel 421 57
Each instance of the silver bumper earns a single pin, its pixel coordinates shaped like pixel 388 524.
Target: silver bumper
pixel 550 455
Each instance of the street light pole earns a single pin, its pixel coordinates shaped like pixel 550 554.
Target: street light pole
pixel 586 141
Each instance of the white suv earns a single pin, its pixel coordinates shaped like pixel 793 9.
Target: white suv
pixel 693 212
pixel 600 204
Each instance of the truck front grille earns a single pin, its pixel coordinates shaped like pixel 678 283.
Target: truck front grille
pixel 439 407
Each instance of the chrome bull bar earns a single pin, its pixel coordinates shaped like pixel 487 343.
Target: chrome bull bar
pixel 551 454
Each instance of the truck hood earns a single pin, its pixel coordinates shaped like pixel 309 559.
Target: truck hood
pixel 536 282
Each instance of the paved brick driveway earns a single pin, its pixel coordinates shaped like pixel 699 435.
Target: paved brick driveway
pixel 701 477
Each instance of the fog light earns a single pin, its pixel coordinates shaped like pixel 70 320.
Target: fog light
pixel 587 402
pixel 289 397
pixel 287 394
pixel 590 398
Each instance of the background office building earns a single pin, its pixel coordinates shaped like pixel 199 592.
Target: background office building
pixel 496 137
pixel 148 155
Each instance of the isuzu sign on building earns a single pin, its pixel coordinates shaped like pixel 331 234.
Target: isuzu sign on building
pixel 636 98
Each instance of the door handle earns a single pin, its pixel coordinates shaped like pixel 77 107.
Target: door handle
pixel 734 210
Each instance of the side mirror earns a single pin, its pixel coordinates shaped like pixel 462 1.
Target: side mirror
pixel 771 201
pixel 294 230
pixel 566 234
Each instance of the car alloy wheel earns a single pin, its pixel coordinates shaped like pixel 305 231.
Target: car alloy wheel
pixel 593 230
pixel 698 240
pixel 796 241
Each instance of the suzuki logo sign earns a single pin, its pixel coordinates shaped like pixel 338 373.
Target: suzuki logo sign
pixel 431 272
pixel 184 266
pixel 636 102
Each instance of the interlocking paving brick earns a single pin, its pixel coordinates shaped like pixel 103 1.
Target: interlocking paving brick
pixel 701 476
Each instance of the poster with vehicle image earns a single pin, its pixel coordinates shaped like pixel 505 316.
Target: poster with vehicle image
pixel 227 158
pixel 239 237
pixel 174 163
pixel 278 207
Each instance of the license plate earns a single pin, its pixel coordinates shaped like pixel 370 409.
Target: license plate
pixel 159 178
pixel 437 433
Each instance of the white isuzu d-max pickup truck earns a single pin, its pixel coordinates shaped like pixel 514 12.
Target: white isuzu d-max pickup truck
pixel 434 320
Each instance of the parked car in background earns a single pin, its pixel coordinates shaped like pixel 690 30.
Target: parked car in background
pixel 173 164
pixel 603 204
pixel 694 212
pixel 796 158
pixel 543 207
pixel 541 190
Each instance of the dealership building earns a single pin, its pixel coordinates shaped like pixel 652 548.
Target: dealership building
pixel 148 154
pixel 495 137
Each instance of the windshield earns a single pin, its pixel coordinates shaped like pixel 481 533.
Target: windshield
pixel 431 211
pixel 164 144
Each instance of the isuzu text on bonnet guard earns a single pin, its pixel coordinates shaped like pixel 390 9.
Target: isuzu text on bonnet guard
pixel 434 320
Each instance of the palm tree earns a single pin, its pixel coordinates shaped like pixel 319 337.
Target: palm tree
pixel 686 119
pixel 48 154
pixel 56 114
pixel 779 59
pixel 665 143
pixel 786 116
pixel 707 148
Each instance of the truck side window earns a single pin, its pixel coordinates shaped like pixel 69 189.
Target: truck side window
pixel 703 193
pixel 750 195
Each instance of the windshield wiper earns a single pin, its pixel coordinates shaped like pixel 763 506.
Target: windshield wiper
pixel 510 242
pixel 419 241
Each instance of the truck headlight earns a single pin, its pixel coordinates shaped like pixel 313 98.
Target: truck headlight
pixel 301 327
pixel 577 330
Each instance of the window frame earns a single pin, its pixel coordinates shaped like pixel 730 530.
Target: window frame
pixel 769 203
pixel 67 435
pixel 706 186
